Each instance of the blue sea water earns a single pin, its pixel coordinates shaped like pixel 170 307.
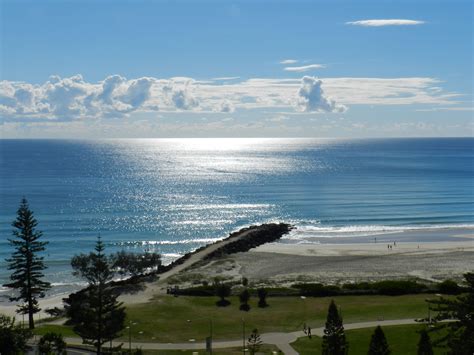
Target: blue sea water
pixel 174 195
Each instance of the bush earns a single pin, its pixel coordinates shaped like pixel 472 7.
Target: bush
pixel 318 290
pixel 397 287
pixel 244 300
pixel 135 263
pixel 449 287
pixel 52 343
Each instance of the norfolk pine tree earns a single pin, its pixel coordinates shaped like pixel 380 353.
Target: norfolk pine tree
pixel 27 266
pixel 378 343
pixel 424 344
pixel 458 334
pixel 334 339
pixel 99 317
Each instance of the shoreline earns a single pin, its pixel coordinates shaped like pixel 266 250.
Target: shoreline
pixel 282 262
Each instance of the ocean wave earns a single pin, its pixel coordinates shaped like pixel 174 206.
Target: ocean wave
pixel 72 284
pixel 168 242
pixel 231 206
pixel 308 231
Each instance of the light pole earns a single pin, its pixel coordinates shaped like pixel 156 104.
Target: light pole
pixel 243 336
pixel 130 323
pixel 210 336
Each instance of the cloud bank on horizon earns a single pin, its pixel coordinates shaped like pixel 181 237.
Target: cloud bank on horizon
pixel 114 97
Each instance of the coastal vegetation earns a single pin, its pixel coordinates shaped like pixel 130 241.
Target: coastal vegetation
pixel 97 317
pixel 13 337
pixel 132 265
pixel 459 336
pixel 334 338
pixel 424 344
pixel 26 263
pixel 378 343
pixel 402 339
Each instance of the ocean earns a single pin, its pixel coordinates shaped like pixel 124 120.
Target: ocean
pixel 174 195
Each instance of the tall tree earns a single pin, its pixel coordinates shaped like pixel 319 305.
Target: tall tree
pixel 96 314
pixel 27 266
pixel 378 343
pixel 13 338
pixel 459 337
pixel 424 344
pixel 334 339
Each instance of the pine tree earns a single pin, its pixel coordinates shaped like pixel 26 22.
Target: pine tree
pixel 334 339
pixel 27 266
pixel 459 337
pixel 254 342
pixel 378 343
pixel 96 314
pixel 424 345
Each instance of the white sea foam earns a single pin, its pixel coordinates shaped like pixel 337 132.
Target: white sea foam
pixel 303 232
pixel 168 242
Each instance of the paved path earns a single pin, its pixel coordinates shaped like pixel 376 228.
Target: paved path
pixel 281 340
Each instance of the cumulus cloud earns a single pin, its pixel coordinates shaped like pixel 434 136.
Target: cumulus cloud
pixel 311 97
pixel 74 98
pixel 289 61
pixel 385 22
pixel 183 100
pixel 226 106
pixel 304 68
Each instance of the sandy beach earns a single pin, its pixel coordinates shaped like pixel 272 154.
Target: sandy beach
pixel 339 263
pixel 283 264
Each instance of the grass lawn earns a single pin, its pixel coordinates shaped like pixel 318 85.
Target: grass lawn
pixel 178 319
pixel 173 319
pixel 42 329
pixel 402 339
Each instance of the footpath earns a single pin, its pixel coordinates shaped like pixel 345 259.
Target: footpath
pixel 281 340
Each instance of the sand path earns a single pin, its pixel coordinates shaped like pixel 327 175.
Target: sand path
pixel 159 286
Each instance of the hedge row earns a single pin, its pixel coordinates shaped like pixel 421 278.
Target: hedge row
pixel 386 287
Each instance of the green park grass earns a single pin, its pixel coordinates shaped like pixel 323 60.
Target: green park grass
pixel 172 319
pixel 402 339
pixel 179 319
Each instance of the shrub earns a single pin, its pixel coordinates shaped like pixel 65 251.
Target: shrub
pixel 317 289
pixel 244 300
pixel 449 287
pixel 262 298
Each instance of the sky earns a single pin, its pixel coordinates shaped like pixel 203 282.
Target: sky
pixel 127 69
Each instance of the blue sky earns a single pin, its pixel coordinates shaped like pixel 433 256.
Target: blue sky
pixel 149 68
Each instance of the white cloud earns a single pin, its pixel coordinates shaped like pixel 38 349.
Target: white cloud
pixel 385 22
pixel 311 97
pixel 304 68
pixel 65 99
pixel 289 61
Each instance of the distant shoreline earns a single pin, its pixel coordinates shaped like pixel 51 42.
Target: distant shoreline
pixel 280 263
